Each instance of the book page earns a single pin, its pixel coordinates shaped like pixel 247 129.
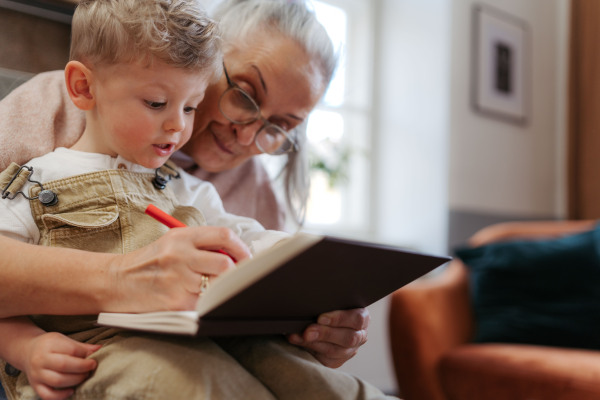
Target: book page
pixel 183 322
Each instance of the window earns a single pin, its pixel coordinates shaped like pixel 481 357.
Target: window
pixel 339 128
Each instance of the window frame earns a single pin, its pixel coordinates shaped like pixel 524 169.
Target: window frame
pixel 358 115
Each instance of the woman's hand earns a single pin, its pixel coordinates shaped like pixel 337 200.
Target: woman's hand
pixel 164 275
pixel 55 364
pixel 336 337
pixel 167 274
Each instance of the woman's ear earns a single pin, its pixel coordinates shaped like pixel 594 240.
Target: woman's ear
pixel 79 80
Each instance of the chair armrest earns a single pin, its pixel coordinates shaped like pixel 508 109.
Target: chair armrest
pixel 427 318
pixel 529 230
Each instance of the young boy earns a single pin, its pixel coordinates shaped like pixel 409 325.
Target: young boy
pixel 139 69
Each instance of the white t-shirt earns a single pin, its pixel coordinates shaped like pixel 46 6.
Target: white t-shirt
pixel 16 220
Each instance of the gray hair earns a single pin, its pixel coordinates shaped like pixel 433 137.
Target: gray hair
pixel 177 32
pixel 238 19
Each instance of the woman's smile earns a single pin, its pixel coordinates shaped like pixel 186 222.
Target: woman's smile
pixel 220 144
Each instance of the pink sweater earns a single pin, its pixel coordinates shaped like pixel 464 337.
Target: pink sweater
pixel 38 116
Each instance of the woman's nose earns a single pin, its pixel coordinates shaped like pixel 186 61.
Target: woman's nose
pixel 245 134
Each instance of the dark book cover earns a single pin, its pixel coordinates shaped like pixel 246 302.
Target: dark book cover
pixel 333 274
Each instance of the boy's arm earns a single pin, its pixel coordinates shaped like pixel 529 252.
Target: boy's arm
pixel 15 333
pixel 54 363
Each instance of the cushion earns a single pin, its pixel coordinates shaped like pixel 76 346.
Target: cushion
pixel 544 292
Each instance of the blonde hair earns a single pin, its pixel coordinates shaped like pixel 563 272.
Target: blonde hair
pixel 177 32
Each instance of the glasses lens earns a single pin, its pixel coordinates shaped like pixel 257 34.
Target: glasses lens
pixel 274 140
pixel 238 107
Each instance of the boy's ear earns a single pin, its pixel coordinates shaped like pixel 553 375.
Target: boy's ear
pixel 79 80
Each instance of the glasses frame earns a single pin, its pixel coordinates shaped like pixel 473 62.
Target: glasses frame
pixel 266 123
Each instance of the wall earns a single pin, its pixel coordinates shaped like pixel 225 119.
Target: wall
pixel 442 171
pixel 32 44
pixel 410 157
pixel 498 170
pixel 412 70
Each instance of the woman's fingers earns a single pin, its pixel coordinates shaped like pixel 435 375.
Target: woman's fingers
pixel 336 337
pixel 167 274
pixel 223 239
pixel 198 249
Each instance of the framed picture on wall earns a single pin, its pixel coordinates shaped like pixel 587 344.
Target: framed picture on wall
pixel 500 65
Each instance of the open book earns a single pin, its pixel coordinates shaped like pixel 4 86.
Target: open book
pixel 285 288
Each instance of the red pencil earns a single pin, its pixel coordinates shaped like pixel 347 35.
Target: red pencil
pixel 163 217
pixel 172 222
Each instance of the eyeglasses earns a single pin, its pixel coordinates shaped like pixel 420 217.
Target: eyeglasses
pixel 240 108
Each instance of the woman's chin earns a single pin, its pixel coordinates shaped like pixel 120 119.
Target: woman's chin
pixel 217 162
pixel 213 167
pixel 211 158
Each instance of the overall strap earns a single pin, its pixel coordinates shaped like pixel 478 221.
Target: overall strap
pixel 8 377
pixel 164 173
pixel 12 180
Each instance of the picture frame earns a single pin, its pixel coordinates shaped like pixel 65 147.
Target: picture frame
pixel 500 63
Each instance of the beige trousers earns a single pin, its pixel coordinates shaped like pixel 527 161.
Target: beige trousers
pixel 104 212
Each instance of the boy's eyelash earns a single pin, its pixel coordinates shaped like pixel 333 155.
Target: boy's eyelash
pixel 158 104
pixel 154 104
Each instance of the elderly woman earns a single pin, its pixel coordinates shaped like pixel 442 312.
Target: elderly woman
pixel 278 62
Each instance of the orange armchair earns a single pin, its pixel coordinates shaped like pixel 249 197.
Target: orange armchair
pixel 431 326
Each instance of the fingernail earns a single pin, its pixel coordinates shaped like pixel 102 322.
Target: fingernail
pixel 324 320
pixel 312 336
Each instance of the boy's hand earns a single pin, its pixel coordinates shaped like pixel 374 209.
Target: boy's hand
pixel 55 363
pixel 336 337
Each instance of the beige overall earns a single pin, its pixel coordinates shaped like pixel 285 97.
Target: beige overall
pixel 104 212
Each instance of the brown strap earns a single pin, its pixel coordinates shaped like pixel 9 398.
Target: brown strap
pixel 9 383
pixel 12 180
